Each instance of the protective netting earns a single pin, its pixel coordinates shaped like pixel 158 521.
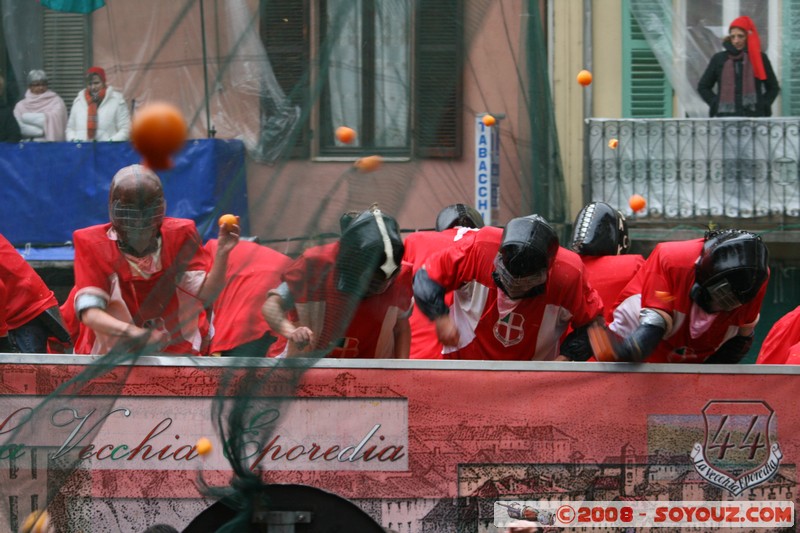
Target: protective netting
pixel 279 77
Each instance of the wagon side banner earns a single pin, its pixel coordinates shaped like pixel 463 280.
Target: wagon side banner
pixel 421 435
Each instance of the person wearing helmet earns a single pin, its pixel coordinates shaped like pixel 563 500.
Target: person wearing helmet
pixel 452 223
pixel 143 280
pixel 528 290
pixel 694 301
pixel 600 237
pixel 347 299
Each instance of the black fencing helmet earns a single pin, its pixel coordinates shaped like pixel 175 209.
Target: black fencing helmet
pixel 458 215
pixel 136 207
pixel 527 250
pixel 731 270
pixel 370 253
pixel 600 230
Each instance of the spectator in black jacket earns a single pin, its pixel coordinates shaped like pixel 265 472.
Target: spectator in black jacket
pixel 9 128
pixel 745 83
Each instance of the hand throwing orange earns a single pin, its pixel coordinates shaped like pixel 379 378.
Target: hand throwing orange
pixel 157 132
pixel 584 77
pixel 637 202
pixel 228 221
pixel 345 135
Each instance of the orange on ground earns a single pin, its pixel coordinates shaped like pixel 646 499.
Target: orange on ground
pixel 584 77
pixel 158 131
pixel 345 135
pixel 637 202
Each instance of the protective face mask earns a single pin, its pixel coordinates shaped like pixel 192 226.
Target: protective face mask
pixel 515 287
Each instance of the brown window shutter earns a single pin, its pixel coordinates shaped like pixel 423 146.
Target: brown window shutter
pixel 285 34
pixel 438 83
pixel 66 41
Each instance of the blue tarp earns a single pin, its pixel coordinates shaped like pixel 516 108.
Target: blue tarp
pixel 51 189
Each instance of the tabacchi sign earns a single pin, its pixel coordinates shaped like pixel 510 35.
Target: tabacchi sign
pixel 159 434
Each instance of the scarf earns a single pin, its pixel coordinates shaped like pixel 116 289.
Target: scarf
pixel 727 84
pixel 51 106
pixel 91 117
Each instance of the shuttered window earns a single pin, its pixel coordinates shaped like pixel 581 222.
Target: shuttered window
pixel 790 74
pixel 432 129
pixel 285 34
pixel 646 90
pixel 66 40
pixel 438 89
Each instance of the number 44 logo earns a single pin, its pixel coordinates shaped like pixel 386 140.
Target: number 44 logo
pixel 737 450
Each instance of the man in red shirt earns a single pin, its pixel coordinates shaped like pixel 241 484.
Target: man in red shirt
pixel 452 223
pixel 30 311
pixel 600 237
pixel 239 328
pixel 692 302
pixel 528 291
pixel 144 279
pixel 782 344
pixel 352 297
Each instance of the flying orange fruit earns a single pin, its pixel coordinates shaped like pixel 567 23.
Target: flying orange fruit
pixel 158 131
pixel 345 135
pixel 584 77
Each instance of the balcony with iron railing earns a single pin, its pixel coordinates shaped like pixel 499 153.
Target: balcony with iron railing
pixel 698 172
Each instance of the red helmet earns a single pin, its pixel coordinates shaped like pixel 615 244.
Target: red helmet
pixel 136 207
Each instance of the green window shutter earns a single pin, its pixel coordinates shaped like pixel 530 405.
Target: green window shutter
pixel 790 83
pixel 438 87
pixel 285 33
pixel 646 89
pixel 66 46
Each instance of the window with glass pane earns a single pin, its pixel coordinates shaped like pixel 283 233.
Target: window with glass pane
pixel 367 83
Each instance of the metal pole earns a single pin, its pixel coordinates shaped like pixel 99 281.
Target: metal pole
pixel 209 130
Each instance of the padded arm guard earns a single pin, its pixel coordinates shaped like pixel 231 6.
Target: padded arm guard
pixel 429 295
pixel 640 344
pixel 732 351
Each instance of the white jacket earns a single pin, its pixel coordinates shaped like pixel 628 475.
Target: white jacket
pixel 113 118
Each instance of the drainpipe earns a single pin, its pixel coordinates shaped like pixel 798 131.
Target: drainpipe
pixel 587 96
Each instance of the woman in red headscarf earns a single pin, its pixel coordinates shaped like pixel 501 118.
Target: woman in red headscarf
pixel 99 113
pixel 745 83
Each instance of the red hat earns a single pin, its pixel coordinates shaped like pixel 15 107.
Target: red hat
pixel 753 44
pixel 97 70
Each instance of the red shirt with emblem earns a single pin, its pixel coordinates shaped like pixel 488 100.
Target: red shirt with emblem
pixel 532 329
pixel 609 274
pixel 351 328
pixel 418 247
pixel 665 282
pixel 782 344
pixel 167 296
pixel 26 294
pixel 252 271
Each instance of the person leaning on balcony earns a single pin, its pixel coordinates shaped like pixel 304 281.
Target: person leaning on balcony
pixel 99 112
pixel 781 346
pixel 42 115
pixel 745 83
pixel 143 280
pixel 600 237
pixel 527 291
pixel 695 301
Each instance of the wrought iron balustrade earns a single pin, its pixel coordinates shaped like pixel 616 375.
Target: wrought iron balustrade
pixel 693 168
